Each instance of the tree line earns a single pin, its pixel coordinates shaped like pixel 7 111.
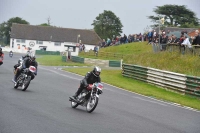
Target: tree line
pixel 107 24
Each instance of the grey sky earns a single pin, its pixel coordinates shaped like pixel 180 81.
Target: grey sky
pixel 80 14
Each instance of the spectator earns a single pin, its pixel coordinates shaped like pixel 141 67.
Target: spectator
pixel 149 35
pixel 125 38
pixel 176 40
pixel 196 39
pixel 163 43
pixel 108 42
pixel 121 40
pixel 83 47
pixel 186 42
pixel 103 43
pixel 96 50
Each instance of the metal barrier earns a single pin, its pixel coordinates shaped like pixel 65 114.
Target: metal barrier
pixel 174 47
pixel 98 62
pixel 193 85
pixel 114 63
pixel 170 80
pixel 77 59
pixel 42 52
pixel 167 79
pixel 134 71
pixel 64 59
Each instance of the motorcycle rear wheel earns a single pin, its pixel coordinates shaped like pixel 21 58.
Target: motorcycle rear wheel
pixel 92 101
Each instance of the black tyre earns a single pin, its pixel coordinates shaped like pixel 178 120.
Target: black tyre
pixel 25 85
pixel 92 104
pixel 16 85
pixel 74 104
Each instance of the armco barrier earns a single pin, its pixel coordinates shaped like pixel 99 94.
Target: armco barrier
pixel 64 59
pixel 167 79
pixel 193 85
pixel 104 63
pixel 77 59
pixel 42 52
pixel 98 62
pixel 113 63
pixel 170 80
pixel 134 71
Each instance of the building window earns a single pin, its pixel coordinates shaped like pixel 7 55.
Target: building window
pixel 39 42
pixel 57 44
pixel 21 40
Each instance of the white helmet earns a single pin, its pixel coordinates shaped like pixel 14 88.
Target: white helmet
pixel 32 57
pixel 96 71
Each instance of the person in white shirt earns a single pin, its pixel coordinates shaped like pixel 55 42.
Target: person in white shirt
pixel 154 33
pixel 186 42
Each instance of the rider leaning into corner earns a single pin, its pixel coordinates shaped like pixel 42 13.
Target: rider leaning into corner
pixel 27 62
pixel 1 56
pixel 90 78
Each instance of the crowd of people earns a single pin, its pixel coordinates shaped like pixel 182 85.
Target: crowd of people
pixel 154 37
pixel 164 38
pixel 116 40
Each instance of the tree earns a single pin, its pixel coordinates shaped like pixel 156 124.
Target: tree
pixel 45 24
pixel 175 15
pixel 107 24
pixel 5 27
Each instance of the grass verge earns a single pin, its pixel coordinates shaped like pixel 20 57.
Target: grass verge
pixel 111 76
pixel 139 53
pixel 56 60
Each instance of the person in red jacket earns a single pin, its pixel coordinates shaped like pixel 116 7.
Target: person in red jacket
pixel 1 56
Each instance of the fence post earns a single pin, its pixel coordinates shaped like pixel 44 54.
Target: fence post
pixel 121 63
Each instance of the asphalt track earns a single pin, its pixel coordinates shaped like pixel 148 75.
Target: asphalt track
pixel 45 108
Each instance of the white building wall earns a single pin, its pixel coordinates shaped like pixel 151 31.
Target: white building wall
pixel 89 47
pixel 50 46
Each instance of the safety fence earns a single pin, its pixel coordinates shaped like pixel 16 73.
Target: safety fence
pixel 42 52
pixel 174 47
pixel 104 54
pixel 170 80
pixel 104 63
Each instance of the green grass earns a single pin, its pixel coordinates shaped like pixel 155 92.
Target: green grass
pixel 111 76
pixel 56 60
pixel 138 53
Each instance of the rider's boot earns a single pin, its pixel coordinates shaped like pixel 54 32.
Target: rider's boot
pixel 77 93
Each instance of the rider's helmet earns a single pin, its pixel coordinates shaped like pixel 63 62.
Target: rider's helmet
pixel 96 71
pixel 32 57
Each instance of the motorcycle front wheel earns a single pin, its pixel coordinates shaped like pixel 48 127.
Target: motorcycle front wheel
pixel 92 104
pixel 74 104
pixel 26 84
pixel 16 85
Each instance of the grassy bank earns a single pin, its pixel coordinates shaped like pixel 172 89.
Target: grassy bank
pixel 139 53
pixel 111 76
pixel 56 60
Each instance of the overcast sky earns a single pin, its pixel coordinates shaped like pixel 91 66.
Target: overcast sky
pixel 79 14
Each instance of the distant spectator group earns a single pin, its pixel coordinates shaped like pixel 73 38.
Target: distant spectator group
pixel 116 40
pixel 165 38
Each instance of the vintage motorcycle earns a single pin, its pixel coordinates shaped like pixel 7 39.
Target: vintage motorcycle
pixel 24 79
pixel 88 97
pixel 11 54
pixel 1 61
